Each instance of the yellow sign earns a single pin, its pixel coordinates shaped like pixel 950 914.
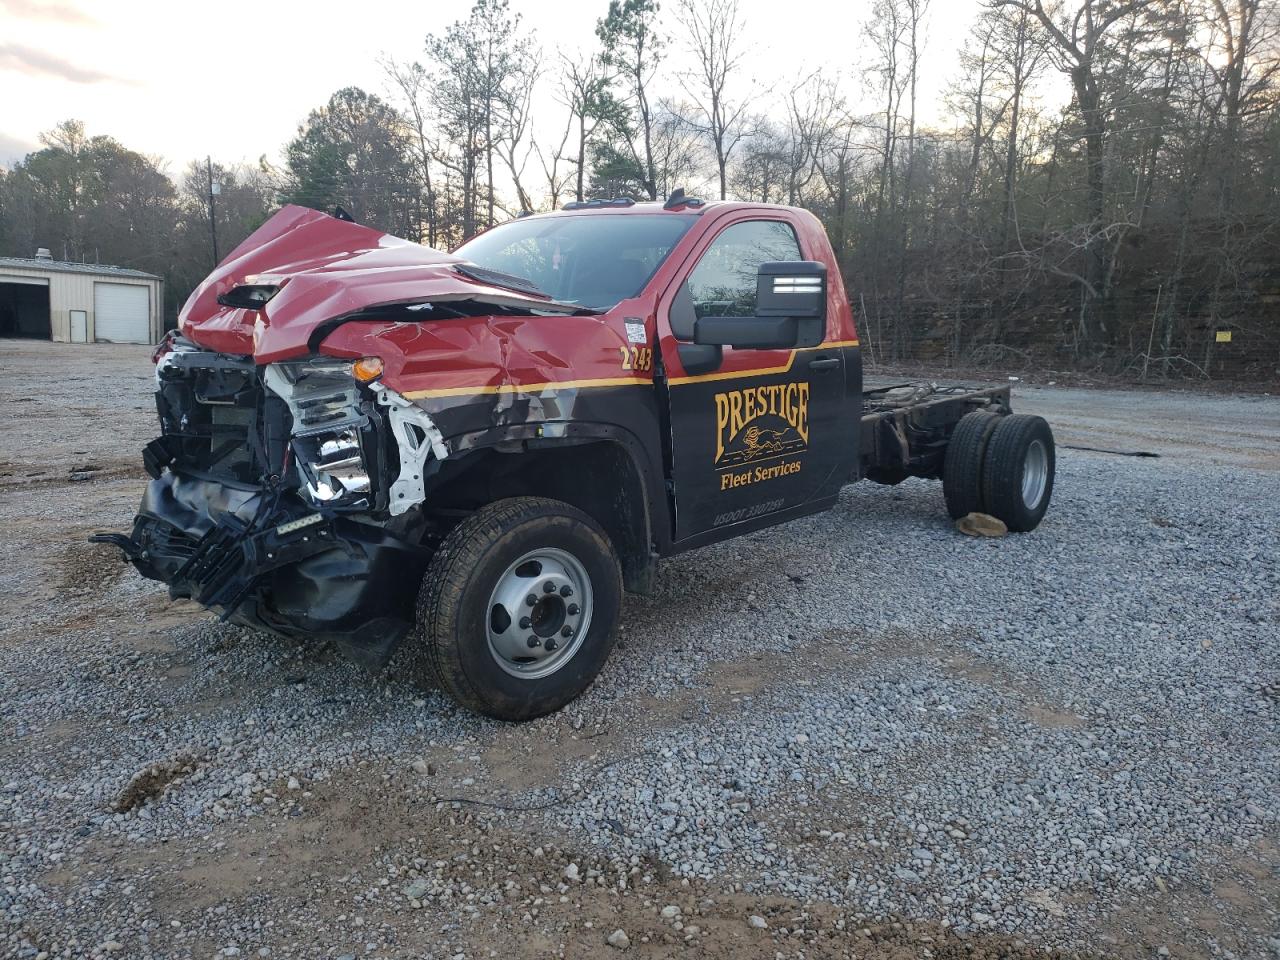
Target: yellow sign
pixel 761 422
pixel 1224 336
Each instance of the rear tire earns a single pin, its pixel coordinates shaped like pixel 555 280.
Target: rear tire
pixel 476 628
pixel 962 465
pixel 1018 471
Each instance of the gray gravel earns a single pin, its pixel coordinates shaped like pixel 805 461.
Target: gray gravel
pixel 1070 737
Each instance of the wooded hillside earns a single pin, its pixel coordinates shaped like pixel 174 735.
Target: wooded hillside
pixel 1102 192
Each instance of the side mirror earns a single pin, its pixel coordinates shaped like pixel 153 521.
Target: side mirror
pixel 791 310
pixel 750 333
pixel 796 288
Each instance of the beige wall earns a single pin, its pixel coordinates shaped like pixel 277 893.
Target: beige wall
pixel 74 291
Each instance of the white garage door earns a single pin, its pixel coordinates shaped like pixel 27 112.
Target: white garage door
pixel 121 312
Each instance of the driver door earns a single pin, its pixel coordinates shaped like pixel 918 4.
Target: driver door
pixel 754 432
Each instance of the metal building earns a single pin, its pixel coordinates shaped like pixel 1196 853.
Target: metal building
pixel 51 299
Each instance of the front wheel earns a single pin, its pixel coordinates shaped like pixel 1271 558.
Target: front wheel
pixel 518 608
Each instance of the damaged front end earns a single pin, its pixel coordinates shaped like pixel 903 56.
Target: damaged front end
pixel 281 496
pixel 288 467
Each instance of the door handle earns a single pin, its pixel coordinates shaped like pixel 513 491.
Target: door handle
pixel 824 363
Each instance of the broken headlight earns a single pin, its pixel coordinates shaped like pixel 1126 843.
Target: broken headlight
pixel 248 296
pixel 336 470
pixel 329 417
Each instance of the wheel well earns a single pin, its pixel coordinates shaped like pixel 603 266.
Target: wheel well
pixel 598 477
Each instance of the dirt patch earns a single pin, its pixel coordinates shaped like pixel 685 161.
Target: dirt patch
pixel 334 852
pixel 1053 718
pixel 19 474
pixel 89 567
pixel 152 781
pixel 1241 911
pixel 521 763
pixel 1038 709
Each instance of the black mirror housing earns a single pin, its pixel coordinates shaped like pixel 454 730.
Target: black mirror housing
pixel 747 333
pixel 791 311
pixel 795 288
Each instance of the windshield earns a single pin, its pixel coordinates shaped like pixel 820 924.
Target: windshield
pixel 594 261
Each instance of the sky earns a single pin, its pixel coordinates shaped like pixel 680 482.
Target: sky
pixel 235 78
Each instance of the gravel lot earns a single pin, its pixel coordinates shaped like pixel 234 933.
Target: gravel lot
pixel 861 734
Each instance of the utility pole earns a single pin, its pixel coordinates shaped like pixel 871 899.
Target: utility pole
pixel 213 219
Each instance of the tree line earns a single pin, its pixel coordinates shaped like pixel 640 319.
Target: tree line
pixel 1099 188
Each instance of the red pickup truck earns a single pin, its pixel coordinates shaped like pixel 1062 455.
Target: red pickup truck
pixel 472 455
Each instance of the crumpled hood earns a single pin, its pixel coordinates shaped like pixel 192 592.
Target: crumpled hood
pixel 325 268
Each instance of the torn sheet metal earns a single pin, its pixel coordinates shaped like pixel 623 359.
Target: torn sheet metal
pixel 417 438
pixel 440 365
pixel 324 268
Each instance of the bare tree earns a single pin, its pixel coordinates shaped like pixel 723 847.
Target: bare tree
pixel 514 120
pixel 1245 86
pixel 1020 51
pixel 633 50
pixel 456 99
pixel 813 105
pixel 714 33
pixel 1246 83
pixel 479 68
pixel 1077 38
pixel 915 13
pixel 411 81
pixel 762 170
pixel 585 90
pixel 840 168
pixel 550 159
pixel 896 31
pixel 677 154
pixel 885 29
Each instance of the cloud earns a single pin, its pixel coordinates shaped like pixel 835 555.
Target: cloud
pixel 13 149
pixel 36 63
pixel 55 10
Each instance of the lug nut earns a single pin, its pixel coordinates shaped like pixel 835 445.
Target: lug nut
pixel 566 591
pixel 573 610
pixel 551 644
pixel 548 587
pixel 531 600
pixel 566 632
pixel 525 623
pixel 533 642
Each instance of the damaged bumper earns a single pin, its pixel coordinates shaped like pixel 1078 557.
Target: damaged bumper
pixel 280 499
pixel 289 571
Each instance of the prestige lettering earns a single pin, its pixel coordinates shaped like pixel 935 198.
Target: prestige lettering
pixel 737 409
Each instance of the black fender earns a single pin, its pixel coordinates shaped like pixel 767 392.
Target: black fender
pixel 562 459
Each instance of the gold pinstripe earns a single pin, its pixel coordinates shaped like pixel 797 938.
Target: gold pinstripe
pixel 527 387
pixel 761 371
pixel 501 388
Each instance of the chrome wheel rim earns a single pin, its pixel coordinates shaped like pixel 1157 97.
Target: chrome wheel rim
pixel 538 613
pixel 1035 474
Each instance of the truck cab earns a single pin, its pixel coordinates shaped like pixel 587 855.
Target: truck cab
pixel 755 406
pixel 470 456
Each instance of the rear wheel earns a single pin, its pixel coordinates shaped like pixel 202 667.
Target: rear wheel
pixel 518 607
pixel 1018 471
pixel 962 465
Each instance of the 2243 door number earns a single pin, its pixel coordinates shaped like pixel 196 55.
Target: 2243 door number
pixel 636 358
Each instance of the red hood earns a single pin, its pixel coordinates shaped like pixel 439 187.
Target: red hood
pixel 325 268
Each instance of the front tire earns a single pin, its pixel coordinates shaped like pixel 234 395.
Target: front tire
pixel 518 608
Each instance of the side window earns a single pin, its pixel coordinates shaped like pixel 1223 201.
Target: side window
pixel 723 284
